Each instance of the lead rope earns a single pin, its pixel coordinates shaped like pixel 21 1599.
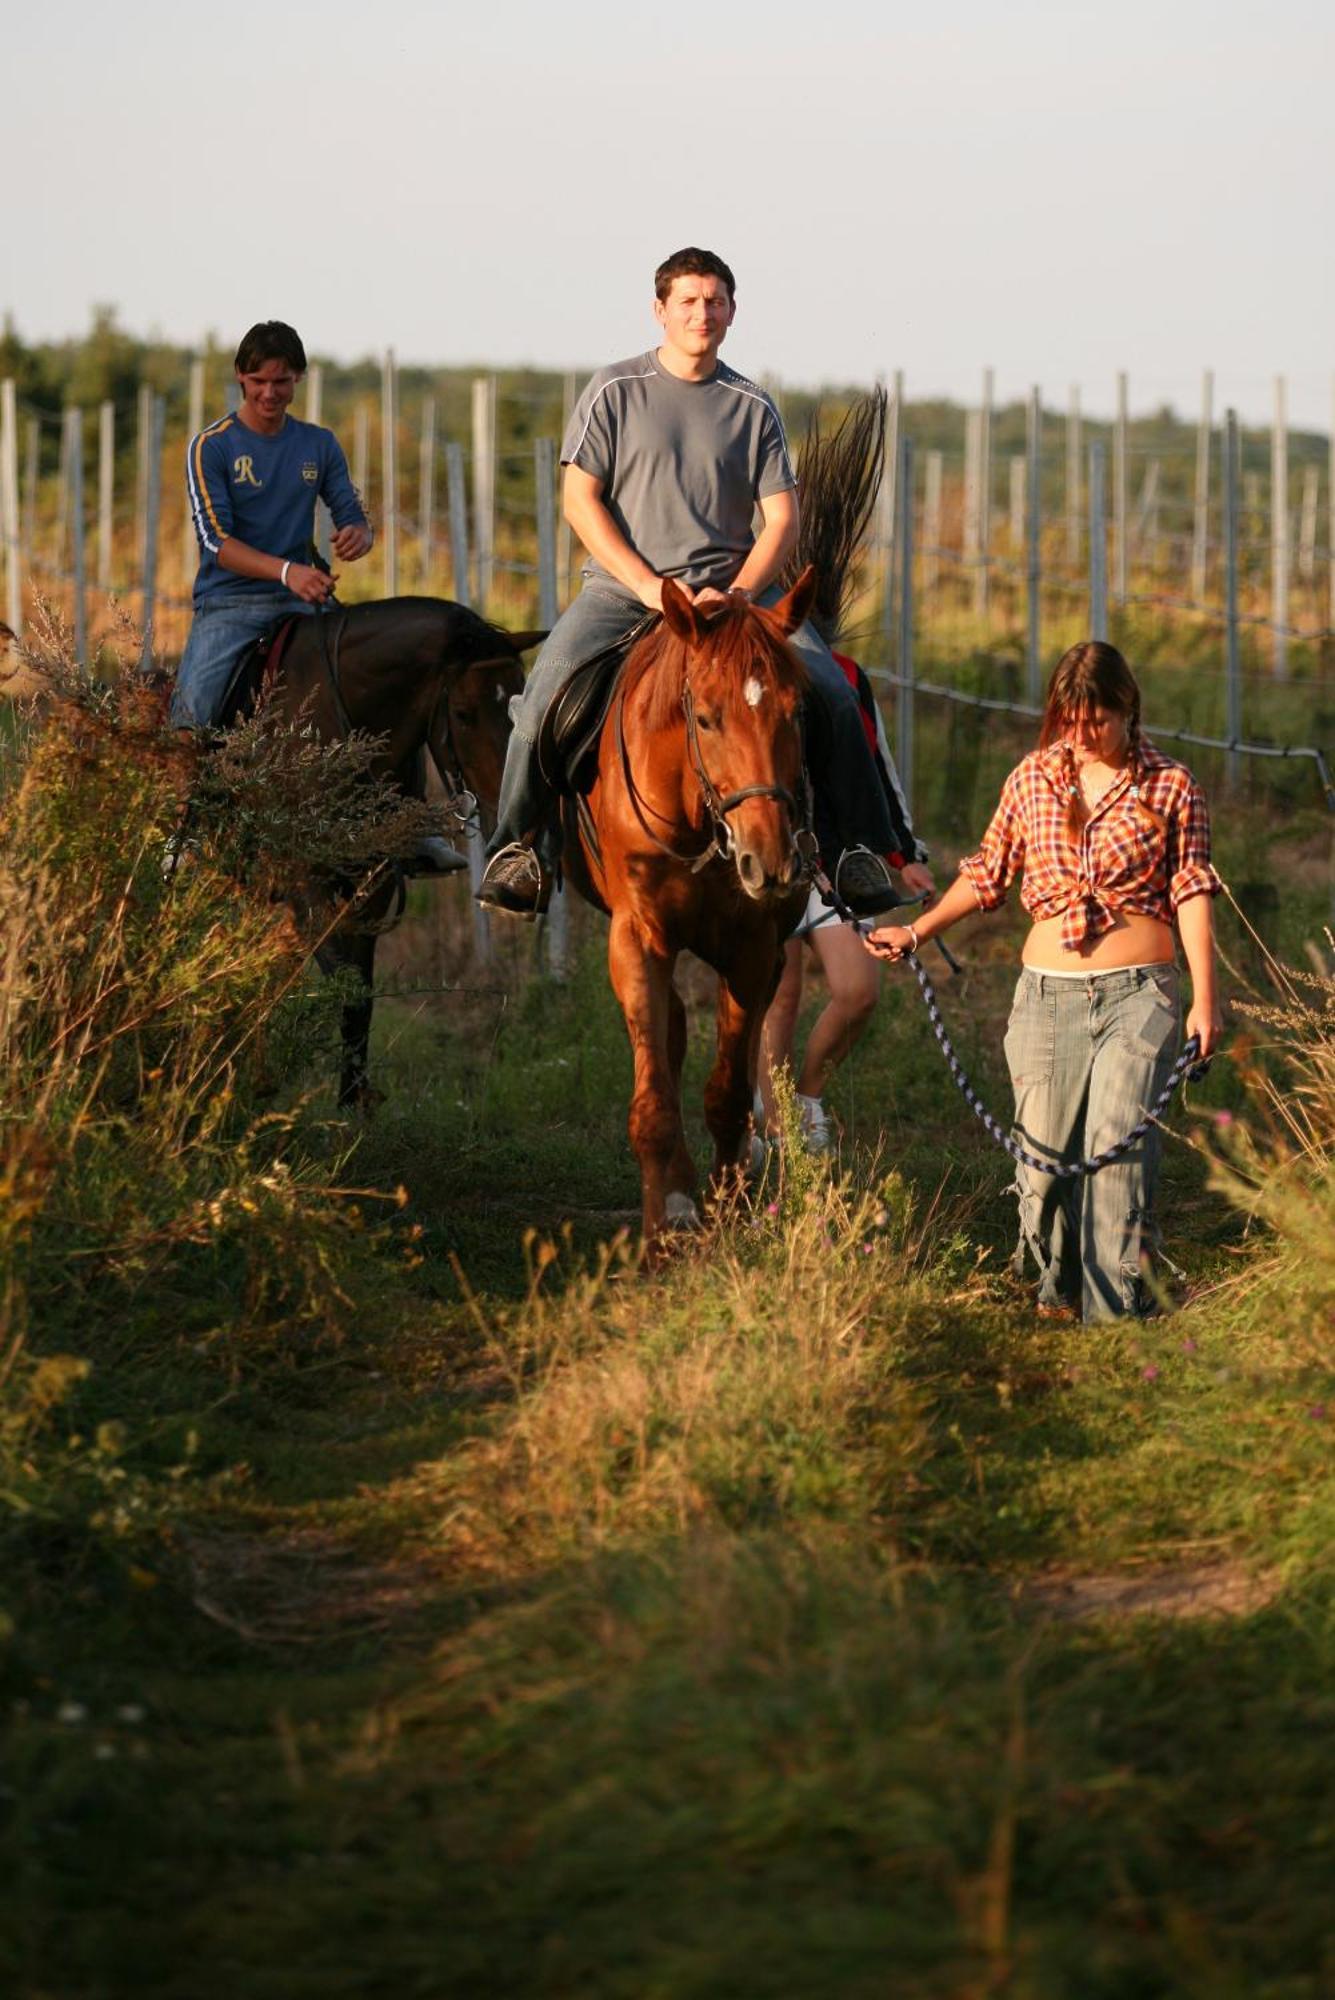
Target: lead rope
pixel 1188 1064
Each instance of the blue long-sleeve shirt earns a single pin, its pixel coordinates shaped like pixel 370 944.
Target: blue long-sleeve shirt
pixel 263 490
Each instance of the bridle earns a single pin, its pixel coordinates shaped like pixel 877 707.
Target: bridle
pixel 718 805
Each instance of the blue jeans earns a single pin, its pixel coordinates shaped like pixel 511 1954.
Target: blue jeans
pixel 841 768
pixel 224 624
pixel 1087 1058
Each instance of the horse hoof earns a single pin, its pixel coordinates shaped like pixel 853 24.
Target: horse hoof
pixel 680 1212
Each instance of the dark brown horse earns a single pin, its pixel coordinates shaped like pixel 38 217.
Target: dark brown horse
pixel 696 838
pixel 424 675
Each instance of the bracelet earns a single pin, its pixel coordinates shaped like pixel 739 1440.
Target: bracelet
pixel 913 939
pixel 282 574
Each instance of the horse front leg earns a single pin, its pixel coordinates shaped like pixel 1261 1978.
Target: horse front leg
pixel 354 953
pixel 746 987
pixel 642 982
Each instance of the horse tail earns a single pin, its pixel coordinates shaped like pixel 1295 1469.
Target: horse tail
pixel 839 476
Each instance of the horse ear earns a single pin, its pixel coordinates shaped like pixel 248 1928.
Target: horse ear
pixel 792 609
pixel 679 614
pixel 521 641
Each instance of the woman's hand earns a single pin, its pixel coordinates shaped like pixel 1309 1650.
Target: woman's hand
pixel 918 877
pixel 891 942
pixel 1207 1021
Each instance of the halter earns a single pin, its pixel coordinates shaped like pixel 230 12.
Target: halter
pixel 721 843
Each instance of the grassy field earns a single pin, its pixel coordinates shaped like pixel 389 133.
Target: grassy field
pixel 404 1595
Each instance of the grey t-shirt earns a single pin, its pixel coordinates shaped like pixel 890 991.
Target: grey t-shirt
pixel 681 464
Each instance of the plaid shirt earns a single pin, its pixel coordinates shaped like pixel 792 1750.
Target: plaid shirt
pixel 1120 861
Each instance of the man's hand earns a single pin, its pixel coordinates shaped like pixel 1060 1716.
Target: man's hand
pixel 351 542
pixel 651 593
pixel 312 586
pixel 918 877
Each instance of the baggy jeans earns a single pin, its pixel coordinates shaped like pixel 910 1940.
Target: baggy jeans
pixel 1087 1058
pixel 597 619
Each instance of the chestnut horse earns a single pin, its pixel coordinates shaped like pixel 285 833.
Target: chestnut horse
pixel 695 836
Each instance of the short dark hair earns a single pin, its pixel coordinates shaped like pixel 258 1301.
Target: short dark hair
pixel 270 340
pixel 691 263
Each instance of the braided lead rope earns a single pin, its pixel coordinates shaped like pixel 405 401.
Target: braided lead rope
pixel 1187 1064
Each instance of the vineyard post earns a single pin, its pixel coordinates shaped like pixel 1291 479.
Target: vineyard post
pixel 426 495
pixel 457 496
pixel 1311 502
pixel 904 740
pixel 314 415
pixel 1200 532
pixel 74 420
pixel 1034 525
pixel 1279 530
pixel 982 575
pixel 544 474
pixel 933 467
pixel 484 485
pixel 1073 478
pixel 143 458
pixel 106 491
pixel 32 452
pixel 1232 654
pixel 9 504
pixel 1119 489
pixel 969 545
pixel 389 459
pixel 1098 546
pixel 148 566
pixel 1019 477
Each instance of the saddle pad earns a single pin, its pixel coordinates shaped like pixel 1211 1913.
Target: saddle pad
pixel 255 671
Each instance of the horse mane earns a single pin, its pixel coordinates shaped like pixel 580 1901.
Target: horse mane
pixel 740 644
pixel 838 476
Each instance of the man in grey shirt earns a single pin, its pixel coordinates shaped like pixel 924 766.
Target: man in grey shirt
pixel 667 458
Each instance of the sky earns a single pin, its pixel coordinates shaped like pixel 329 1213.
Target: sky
pixel 1057 191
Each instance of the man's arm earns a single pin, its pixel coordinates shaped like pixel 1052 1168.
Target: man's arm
pixel 773 545
pixel 584 507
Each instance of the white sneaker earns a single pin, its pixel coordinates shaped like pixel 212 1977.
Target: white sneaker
pixel 817 1130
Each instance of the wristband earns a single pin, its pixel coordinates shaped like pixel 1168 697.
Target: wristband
pixel 282 574
pixel 913 939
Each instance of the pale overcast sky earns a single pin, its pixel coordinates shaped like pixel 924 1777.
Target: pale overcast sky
pixel 1058 190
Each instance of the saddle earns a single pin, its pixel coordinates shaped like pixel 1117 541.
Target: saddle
pixel 255 671
pixel 569 731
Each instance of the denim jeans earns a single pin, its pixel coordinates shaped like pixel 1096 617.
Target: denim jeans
pixel 1087 1058
pixel 841 763
pixel 224 624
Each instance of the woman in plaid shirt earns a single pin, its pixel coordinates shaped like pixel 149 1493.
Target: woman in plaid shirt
pixel 1113 841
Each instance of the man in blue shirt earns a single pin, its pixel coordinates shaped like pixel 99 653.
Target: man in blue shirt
pixel 253 480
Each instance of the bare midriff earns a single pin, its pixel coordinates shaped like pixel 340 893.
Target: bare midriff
pixel 1133 940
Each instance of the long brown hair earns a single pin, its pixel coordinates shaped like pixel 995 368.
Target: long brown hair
pixel 1092 675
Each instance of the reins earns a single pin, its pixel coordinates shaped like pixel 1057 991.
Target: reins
pixel 1188 1065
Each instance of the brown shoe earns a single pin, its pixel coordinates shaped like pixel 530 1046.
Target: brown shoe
pixel 1066 1313
pixel 516 882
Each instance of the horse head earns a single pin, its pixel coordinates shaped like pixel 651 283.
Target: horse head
pixel 741 693
pixel 471 724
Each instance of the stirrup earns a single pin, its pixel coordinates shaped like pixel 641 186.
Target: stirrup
pixel 515 882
